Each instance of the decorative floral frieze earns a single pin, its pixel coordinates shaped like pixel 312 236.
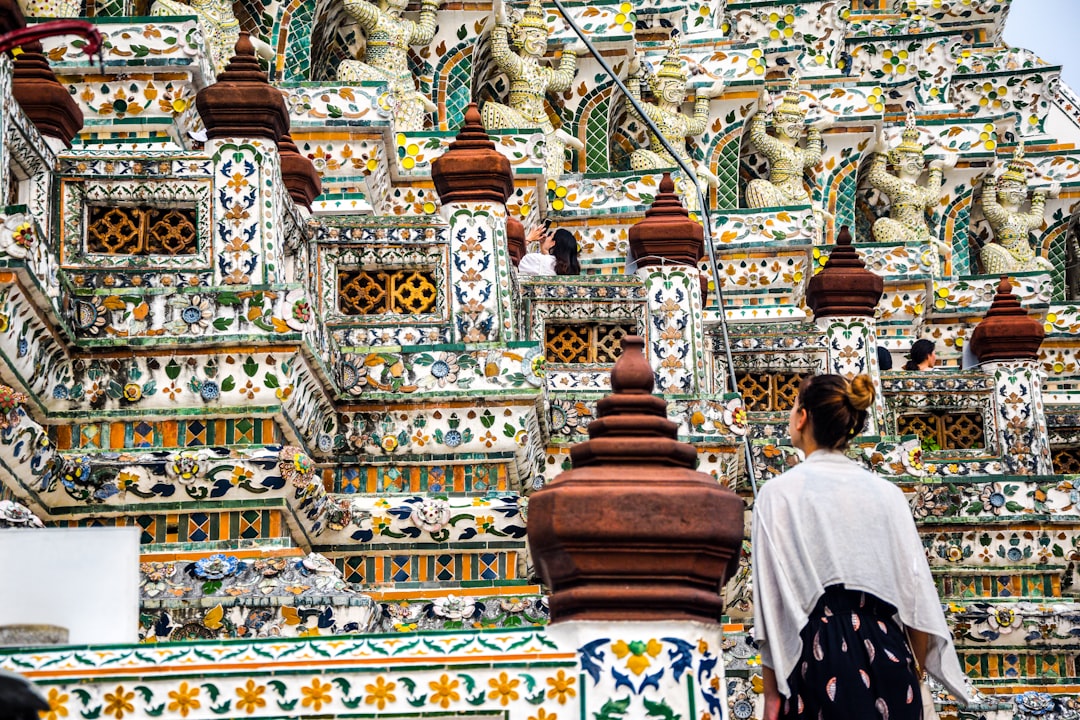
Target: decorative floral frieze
pixel 265 597
pixel 185 313
pixel 905 52
pixel 431 430
pixel 790 226
pixel 544 685
pixel 1062 320
pixel 698 418
pixel 809 35
pixel 141 95
pixel 612 193
pixel 988 15
pixel 390 521
pixel 515 367
pixel 452 612
pixel 974 295
pixel 144 45
pixel 311 104
pixel 1026 92
pixel 1001 548
pixel 416 151
pixel 1007 500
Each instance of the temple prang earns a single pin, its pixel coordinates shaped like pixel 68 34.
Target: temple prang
pixel 260 308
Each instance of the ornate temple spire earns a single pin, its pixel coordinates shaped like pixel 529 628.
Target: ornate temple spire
pixel 844 286
pixel 298 172
pixel 242 103
pixel 1007 332
pixel 601 533
pixel 667 235
pixel 472 170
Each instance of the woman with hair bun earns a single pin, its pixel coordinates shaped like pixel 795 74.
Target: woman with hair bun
pixel 845 609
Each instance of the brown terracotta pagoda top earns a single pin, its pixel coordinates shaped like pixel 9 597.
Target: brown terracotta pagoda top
pixel 298 173
pixel 633 532
pixel 1007 332
pixel 242 103
pixel 472 170
pixel 667 235
pixel 47 103
pixel 11 16
pixel 844 286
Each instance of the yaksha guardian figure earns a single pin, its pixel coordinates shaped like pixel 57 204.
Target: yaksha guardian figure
pixel 529 81
pixel 219 24
pixel 909 201
pixel 668 86
pixel 387 56
pixel 1001 202
pixel 787 160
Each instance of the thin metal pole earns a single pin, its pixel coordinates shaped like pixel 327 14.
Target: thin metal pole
pixel 690 175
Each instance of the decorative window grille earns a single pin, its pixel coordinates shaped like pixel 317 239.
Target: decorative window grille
pixel 950 430
pixel 409 291
pixel 596 343
pixel 1066 460
pixel 130 230
pixel 767 391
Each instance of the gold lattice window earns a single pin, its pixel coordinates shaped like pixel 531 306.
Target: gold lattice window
pixel 584 343
pixel 407 291
pixel 1066 460
pixel 947 429
pixel 766 390
pixel 129 230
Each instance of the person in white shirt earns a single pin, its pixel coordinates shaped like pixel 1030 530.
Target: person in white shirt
pixel 558 253
pixel 846 611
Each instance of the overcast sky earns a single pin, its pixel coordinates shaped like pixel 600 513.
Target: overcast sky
pixel 1049 28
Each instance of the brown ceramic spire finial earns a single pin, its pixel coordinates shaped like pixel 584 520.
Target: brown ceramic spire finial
pixel 667 235
pixel 242 103
pixel 45 101
pixel 633 532
pixel 299 174
pixel 844 286
pixel 472 170
pixel 11 16
pixel 1007 332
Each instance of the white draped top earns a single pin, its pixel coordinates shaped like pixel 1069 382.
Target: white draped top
pixel 536 264
pixel 828 521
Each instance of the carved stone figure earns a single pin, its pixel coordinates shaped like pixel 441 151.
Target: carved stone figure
pixel 909 201
pixel 386 58
pixel 1002 199
pixel 529 81
pixel 219 25
pixel 787 160
pixel 668 86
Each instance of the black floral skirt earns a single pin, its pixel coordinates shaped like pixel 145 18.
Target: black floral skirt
pixel 855 664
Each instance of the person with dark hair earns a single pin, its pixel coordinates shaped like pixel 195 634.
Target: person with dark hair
pixel 884 358
pixel 922 356
pixel 846 609
pixel 566 260
pixel 558 253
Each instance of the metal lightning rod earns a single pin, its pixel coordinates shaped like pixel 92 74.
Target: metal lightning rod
pixel 688 173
